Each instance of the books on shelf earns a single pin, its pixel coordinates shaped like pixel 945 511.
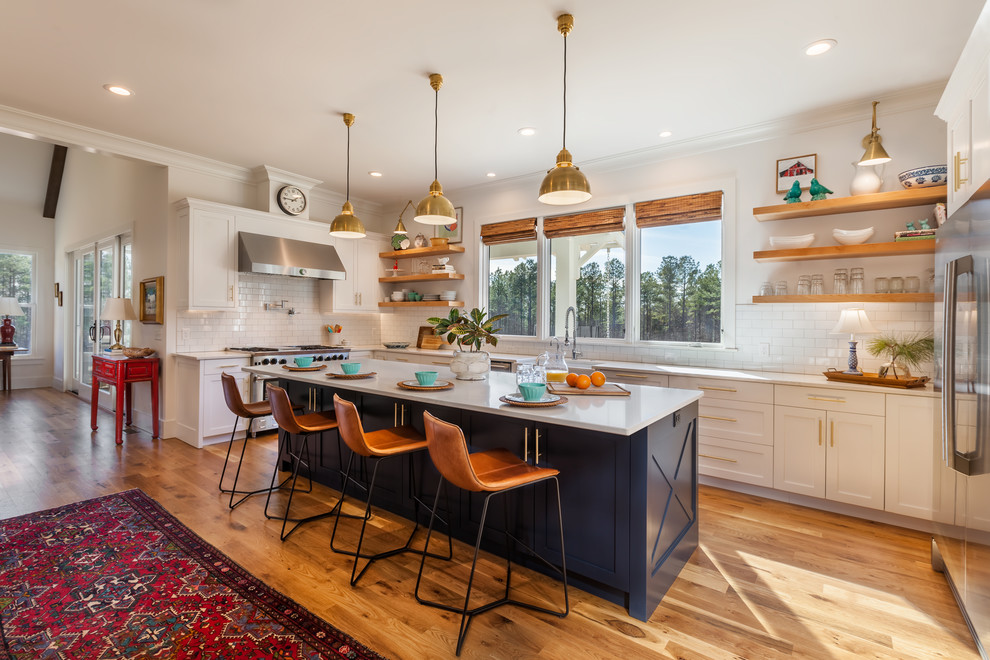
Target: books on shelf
pixel 914 234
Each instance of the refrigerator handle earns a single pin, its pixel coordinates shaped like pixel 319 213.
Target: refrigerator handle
pixel 949 367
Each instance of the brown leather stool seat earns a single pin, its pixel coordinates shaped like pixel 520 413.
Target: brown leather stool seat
pixel 250 412
pixel 304 426
pixel 493 472
pixel 376 446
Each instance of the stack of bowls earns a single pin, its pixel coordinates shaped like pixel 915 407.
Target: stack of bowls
pixel 398 296
pixel 448 295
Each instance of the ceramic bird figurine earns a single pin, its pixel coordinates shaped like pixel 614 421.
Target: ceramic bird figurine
pixel 818 191
pixel 924 224
pixel 910 226
pixel 794 194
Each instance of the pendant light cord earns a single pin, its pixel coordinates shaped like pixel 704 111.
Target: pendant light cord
pixel 436 130
pixel 563 139
pixel 348 192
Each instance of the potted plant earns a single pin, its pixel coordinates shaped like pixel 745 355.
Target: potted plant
pixel 469 330
pixel 902 353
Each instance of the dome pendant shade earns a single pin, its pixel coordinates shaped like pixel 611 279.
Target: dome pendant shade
pixel 347 225
pixel 435 209
pixel 564 184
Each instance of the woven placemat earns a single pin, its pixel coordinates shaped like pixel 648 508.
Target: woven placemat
pixel 442 385
pixel 353 376
pixel 534 404
pixel 316 368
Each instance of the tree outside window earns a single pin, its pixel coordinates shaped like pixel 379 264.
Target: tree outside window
pixel 512 286
pixel 588 272
pixel 16 277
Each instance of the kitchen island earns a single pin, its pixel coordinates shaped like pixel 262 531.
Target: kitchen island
pixel 628 469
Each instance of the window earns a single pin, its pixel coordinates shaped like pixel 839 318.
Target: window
pixel 512 283
pixel 588 273
pixel 17 281
pixel 681 268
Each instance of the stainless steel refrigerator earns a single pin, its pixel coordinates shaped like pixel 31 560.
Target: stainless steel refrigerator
pixel 961 544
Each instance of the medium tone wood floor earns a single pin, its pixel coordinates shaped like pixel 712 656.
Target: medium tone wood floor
pixel 769 580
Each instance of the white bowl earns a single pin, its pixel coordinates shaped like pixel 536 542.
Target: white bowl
pixel 789 242
pixel 398 296
pixel 852 236
pixel 923 177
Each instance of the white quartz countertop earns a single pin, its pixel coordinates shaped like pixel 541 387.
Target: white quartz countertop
pixel 623 415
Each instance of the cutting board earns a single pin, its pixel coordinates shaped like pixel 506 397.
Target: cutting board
pixel 608 389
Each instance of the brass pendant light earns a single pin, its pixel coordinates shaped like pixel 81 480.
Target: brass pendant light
pixel 565 183
pixel 435 209
pixel 347 225
pixel 875 153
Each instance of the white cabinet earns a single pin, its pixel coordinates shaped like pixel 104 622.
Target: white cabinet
pixel 360 290
pixel 208 244
pixel 917 482
pixel 633 377
pixel 833 448
pixel 202 416
pixel 413 358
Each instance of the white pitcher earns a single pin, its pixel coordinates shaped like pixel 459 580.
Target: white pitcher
pixel 867 179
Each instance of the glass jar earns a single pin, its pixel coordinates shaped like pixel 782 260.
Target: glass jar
pixel 912 284
pixel 880 285
pixel 897 285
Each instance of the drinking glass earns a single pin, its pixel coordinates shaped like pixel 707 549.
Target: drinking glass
pixel 817 284
pixel 840 280
pixel 897 285
pixel 880 285
pixel 804 285
pixel 766 289
pixel 780 288
pixel 912 284
pixel 856 284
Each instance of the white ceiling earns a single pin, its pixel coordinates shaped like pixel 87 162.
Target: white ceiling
pixel 251 82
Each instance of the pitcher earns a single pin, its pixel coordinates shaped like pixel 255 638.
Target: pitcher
pixel 867 179
pixel 554 364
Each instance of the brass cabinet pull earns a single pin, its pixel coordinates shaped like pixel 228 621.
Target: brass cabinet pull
pixel 619 373
pixel 440 363
pixel 832 434
pixel 957 162
pixel 718 458
pixel 230 296
pixel 395 414
pixel 820 424
pixel 724 419
pixel 401 359
pixel 825 398
pixel 228 366
pixel 526 445
pixel 536 454
pixel 717 389
pixel 402 415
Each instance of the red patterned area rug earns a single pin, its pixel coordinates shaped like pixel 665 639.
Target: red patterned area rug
pixel 119 577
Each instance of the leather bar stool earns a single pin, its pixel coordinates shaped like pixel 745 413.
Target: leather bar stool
pixel 377 446
pixel 493 472
pixel 304 426
pixel 250 412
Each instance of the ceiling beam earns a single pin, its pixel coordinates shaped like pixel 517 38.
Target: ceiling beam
pixel 55 180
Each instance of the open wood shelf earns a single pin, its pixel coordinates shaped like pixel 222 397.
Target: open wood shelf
pixel 422 277
pixel 421 252
pixel 423 303
pixel 892 249
pixel 875 202
pixel 849 297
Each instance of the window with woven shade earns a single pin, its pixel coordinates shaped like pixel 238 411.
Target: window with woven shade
pixel 681 268
pixel 588 273
pixel 512 282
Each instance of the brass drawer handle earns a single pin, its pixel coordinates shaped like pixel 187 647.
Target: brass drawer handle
pixel 228 366
pixel 536 454
pixel 619 373
pixel 526 445
pixel 440 363
pixel 718 458
pixel 820 422
pixel 401 359
pixel 825 398
pixel 832 441
pixel 717 389
pixel 723 419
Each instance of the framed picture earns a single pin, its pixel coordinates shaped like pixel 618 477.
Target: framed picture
pixel 799 168
pixel 152 300
pixel 453 233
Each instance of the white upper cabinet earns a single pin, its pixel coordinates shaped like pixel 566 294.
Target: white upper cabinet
pixel 208 244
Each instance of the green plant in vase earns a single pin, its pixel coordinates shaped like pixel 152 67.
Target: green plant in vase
pixel 471 330
pixel 911 351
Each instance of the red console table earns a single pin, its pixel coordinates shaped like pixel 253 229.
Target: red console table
pixel 121 373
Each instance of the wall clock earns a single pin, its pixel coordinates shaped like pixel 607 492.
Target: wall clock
pixel 291 200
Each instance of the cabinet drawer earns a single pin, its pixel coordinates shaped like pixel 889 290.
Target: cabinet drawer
pixel 738 461
pixel 633 377
pixel 104 368
pixel 139 369
pixel 230 366
pixel 736 420
pixel 865 403
pixel 718 388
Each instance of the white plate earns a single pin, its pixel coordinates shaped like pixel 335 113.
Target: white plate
pixel 547 398
pixel 415 383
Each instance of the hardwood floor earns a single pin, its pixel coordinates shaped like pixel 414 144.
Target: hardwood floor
pixel 769 580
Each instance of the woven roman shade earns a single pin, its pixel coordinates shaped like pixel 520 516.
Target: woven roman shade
pixel 579 224
pixel 679 210
pixel 510 231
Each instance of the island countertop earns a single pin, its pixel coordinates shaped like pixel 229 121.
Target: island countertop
pixel 610 414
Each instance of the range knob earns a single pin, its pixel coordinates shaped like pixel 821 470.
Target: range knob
pixel 319 358
pixel 282 361
pixel 264 361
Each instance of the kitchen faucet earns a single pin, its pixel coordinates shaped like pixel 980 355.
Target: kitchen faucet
pixel 567 341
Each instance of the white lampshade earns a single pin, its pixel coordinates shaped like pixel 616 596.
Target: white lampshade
pixel 10 307
pixel 852 322
pixel 118 309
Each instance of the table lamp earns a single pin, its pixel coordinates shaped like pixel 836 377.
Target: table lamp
pixel 8 307
pixel 118 309
pixel 853 321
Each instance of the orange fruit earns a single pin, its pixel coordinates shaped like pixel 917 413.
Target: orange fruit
pixel 597 379
pixel 572 379
pixel 583 382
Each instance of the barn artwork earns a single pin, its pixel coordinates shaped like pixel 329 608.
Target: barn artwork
pixel 798 168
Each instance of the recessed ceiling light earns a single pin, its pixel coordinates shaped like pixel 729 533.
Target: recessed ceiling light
pixel 819 47
pixel 375 174
pixel 490 175
pixel 118 90
pixel 665 134
pixel 527 131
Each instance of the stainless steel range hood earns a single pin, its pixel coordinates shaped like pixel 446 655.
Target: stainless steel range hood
pixel 286 256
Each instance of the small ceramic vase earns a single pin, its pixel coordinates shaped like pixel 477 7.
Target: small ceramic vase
pixel 866 180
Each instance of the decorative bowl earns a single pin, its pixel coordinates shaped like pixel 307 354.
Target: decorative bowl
pixel 789 242
pixel 303 361
pixel 396 344
pixel 398 296
pixel 532 391
pixel 426 378
pixel 923 177
pixel 852 236
pixel 350 368
pixel 138 352
pixel 439 242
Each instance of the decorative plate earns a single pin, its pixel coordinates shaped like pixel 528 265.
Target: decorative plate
pixel 396 344
pixel 318 367
pixel 545 402
pixel 367 374
pixel 414 385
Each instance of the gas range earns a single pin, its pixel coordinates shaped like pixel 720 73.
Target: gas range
pixel 265 355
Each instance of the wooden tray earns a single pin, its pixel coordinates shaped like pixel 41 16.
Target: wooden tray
pixel 874 379
pixel 608 389
pixel 367 374
pixel 534 404
pixel 413 385
pixel 318 367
